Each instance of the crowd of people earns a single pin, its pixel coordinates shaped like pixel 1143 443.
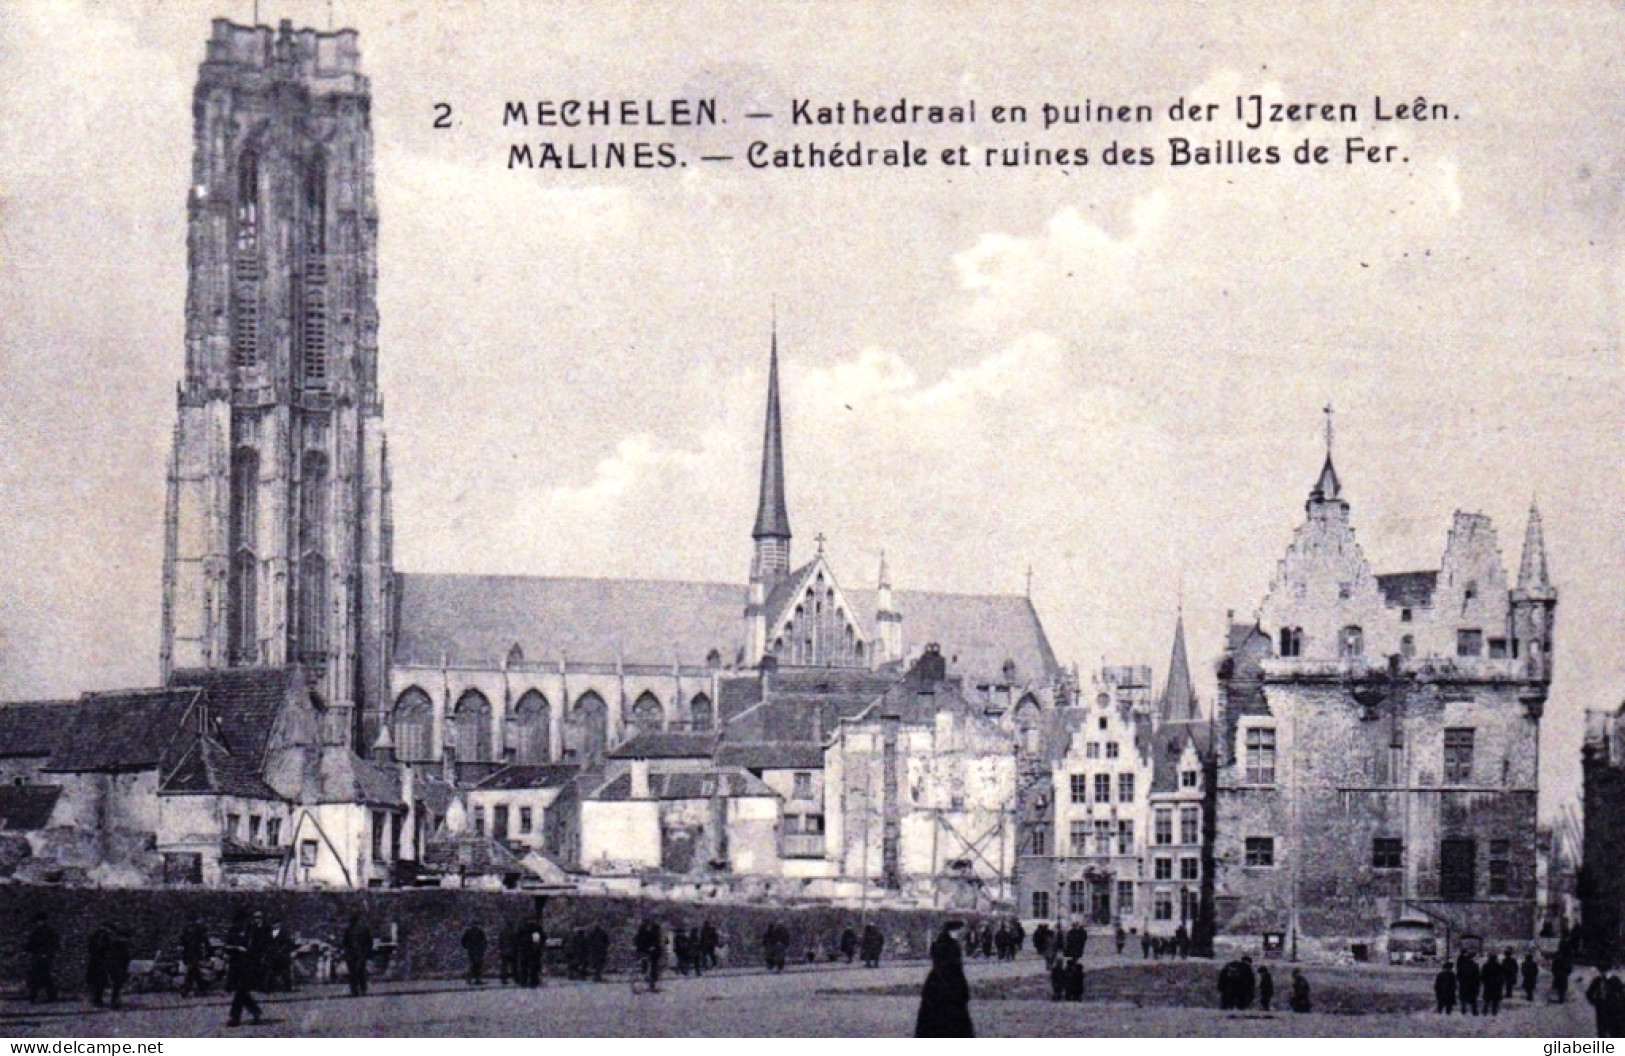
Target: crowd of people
pixel 1480 988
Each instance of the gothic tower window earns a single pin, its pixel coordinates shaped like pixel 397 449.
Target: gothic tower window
pixel 248 200
pixel 242 625
pixel 647 714
pixel 586 729
pixel 312 559
pixel 316 206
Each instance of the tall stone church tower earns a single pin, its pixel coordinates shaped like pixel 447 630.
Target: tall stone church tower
pixel 278 526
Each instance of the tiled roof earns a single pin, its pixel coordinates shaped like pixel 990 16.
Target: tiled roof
pixel 772 755
pixel 655 744
pixel 476 619
pixel 245 702
pixel 31 728
pixel 528 776
pixel 25 808
pixel 348 778
pixel 433 792
pixel 129 730
pixel 728 783
pixel 1169 740
pixel 1408 589
pixel 206 768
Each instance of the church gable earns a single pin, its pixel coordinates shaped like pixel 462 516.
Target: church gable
pixel 811 622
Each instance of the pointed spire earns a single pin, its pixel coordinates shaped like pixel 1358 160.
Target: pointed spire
pixel 884 581
pixel 1327 488
pixel 1179 694
pixel 772 518
pixel 1532 573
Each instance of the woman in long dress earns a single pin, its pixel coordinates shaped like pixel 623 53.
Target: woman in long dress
pixel 945 998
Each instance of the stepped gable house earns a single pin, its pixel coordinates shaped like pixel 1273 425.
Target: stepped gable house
pixel 1377 740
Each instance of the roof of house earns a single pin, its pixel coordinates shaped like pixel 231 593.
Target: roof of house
pixel 728 783
pixel 245 703
pixel 772 755
pixel 126 730
pixel 521 776
pixel 1168 746
pixel 27 807
pixel 30 728
pixel 205 767
pixel 1408 589
pixel 471 619
pixel 674 744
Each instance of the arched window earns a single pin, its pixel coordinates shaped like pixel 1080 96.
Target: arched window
pixel 586 729
pixel 316 205
pixel 412 724
pixel 472 721
pixel 700 715
pixel 531 718
pixel 242 589
pixel 1407 646
pixel 1351 642
pixel 647 714
pixel 248 200
pixel 312 558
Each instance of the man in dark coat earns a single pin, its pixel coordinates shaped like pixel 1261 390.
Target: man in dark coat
pixel 1057 978
pixel 945 998
pixel 597 951
pixel 474 946
pixel 1266 987
pixel 1509 975
pixel 41 947
pixel 243 953
pixel 1227 985
pixel 1562 968
pixel 873 942
pixel 1018 935
pixel 1530 972
pixel 118 964
pixel 1074 980
pixel 849 944
pixel 1467 983
pixel 532 950
pixel 1489 977
pixel 1246 984
pixel 1299 1001
pixel 96 963
pixel 1042 943
pixel 776 946
pixel 357 945
pixel 1121 938
pixel 1145 945
pixel 1597 995
pixel 1444 989
pixel 648 944
pixel 709 941
pixel 1076 940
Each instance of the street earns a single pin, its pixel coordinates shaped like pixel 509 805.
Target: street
pixel 826 1001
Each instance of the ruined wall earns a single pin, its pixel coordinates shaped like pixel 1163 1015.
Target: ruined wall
pixel 1348 773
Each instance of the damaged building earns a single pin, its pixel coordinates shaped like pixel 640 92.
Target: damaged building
pixel 1377 742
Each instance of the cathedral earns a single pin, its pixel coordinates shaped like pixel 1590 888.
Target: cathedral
pixel 279 530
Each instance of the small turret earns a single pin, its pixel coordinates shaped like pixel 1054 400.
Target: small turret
pixel 1534 604
pixel 888 621
pixel 1179 694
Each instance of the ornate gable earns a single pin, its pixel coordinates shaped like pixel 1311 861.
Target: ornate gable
pixel 812 623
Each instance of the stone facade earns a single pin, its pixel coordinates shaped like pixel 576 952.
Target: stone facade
pixel 1379 735
pixel 277 531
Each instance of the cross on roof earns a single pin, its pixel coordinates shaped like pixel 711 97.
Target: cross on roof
pixel 820 540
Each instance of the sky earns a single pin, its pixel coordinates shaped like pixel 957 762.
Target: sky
pixel 1110 375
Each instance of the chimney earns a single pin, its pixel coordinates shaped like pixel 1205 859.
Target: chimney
pixel 640 779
